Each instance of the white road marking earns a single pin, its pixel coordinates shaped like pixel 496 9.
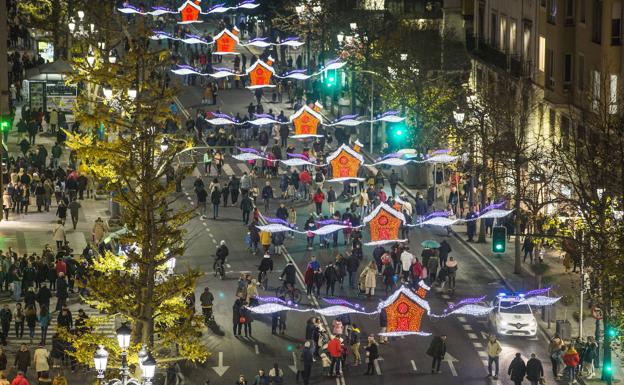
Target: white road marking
pixel 220 369
pixel 377 367
pixel 477 344
pixel 414 366
pixel 255 346
pixel 461 319
pixel 243 167
pixel 467 327
pixel 472 336
pixel 227 169
pixel 446 296
pixel 482 353
pixel 450 361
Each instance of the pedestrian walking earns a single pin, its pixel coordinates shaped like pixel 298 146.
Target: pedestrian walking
pixel 589 355
pixel 393 179
pixel 308 359
pixel 215 198
pixel 534 370
pixel 20 379
pixel 267 195
pixel 7 203
pixel 238 319
pixel 261 378
pixel 571 360
pixel 3 379
pixel 554 349
pixel 276 375
pixel 334 348
pixel 517 369
pixel 494 350
pixel 202 196
pixel 22 359
pixel 31 321
pixel 18 319
pixel 318 199
pixel 3 361
pixel 44 322
pixel 99 230
pixel 5 322
pixel 369 278
pixel 40 359
pixel 58 234
pixel 354 341
pixel 527 246
pixel 372 354
pixel 74 207
pixel 437 350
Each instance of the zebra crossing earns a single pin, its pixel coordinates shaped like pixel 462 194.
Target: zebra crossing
pixel 105 325
pixel 236 168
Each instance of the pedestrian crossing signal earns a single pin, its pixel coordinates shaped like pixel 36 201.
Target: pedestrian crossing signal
pixel 499 239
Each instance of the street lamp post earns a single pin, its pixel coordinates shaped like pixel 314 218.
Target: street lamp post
pixel 147 363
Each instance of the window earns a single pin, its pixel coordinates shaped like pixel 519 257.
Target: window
pixel 481 21
pixel 582 11
pixel 542 54
pixel 493 35
pixel 569 12
pixel 526 43
pixel 616 23
pixel 580 132
pixel 595 97
pixel 567 68
pixel 597 21
pixel 613 94
pixel 580 80
pixel 564 128
pixel 552 119
pixel 513 38
pixel 550 69
pixel 551 11
pixel 503 39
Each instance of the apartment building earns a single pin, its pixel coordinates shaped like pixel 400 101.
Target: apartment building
pixel 569 49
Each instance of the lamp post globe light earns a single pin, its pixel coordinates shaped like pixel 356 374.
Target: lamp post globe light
pixel 147 363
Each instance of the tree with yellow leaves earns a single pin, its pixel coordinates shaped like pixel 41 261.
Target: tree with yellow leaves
pixel 133 158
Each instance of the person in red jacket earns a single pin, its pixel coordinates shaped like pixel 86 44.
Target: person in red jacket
pixel 20 379
pixel 334 348
pixel 571 360
pixel 318 199
pixel 304 184
pixel 308 278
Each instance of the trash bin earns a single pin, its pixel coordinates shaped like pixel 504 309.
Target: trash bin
pixel 563 329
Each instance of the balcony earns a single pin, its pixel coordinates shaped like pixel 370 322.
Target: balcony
pixel 481 50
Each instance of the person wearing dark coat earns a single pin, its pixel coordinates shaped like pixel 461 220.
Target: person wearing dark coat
pixel 517 369
pixel 43 296
pixel 471 224
pixel 372 353
pixel 236 316
pixel 61 291
pixel 534 370
pixel 444 251
pixel 22 358
pixel 307 358
pixel 331 276
pixel 437 350
pixel 215 198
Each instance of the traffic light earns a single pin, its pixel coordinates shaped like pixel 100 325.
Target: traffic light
pixel 612 332
pixel 499 239
pixel 5 124
pixel 330 78
pixel 397 135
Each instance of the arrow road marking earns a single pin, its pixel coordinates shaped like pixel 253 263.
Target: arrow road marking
pixel 449 360
pixel 293 367
pixel 414 366
pixel 377 367
pixel 220 369
pixel 340 380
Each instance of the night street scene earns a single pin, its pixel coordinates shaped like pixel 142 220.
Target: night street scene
pixel 280 192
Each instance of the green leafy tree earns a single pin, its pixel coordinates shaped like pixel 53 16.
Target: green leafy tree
pixel 134 164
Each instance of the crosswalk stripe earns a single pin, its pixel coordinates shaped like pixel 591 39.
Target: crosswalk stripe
pixel 243 167
pixel 227 169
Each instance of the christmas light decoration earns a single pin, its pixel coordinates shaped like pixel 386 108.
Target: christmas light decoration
pixel 300 162
pixel 248 149
pixel 244 157
pixel 306 121
pixel 384 224
pixel 264 119
pixel 392 162
pixel 404 334
pixel 464 302
pixel 537 291
pixel 339 301
pixel 391 117
pixel 495 213
pixel 347 120
pixel 470 309
pixel 345 164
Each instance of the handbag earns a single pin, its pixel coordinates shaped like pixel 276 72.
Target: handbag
pixel 242 320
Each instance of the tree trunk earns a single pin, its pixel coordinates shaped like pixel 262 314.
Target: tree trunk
pixel 56 30
pixel 517 221
pixel 484 185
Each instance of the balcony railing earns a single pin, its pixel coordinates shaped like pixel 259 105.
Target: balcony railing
pixel 483 51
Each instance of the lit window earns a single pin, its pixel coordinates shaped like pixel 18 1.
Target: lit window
pixel 542 53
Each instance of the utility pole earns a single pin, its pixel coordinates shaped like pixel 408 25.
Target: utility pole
pixel 5 111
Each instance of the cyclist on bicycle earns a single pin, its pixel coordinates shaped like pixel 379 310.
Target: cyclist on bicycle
pixel 222 253
pixel 289 274
pixel 265 265
pixel 206 298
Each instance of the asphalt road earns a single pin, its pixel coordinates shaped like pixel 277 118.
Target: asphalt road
pixel 404 359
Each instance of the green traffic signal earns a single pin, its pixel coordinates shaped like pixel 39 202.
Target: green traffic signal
pixel 5 125
pixel 499 239
pixel 330 79
pixel 612 332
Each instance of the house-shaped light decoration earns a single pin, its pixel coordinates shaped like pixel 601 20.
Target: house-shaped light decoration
pixel 260 74
pixel 306 122
pixel 345 163
pixel 404 310
pixel 357 145
pixel 384 224
pixel 226 41
pixel 189 11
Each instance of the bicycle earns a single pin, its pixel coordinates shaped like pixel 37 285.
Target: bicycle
pixel 219 268
pixel 289 291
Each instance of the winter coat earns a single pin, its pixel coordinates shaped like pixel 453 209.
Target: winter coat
pixel 517 369
pixel 40 358
pixel 373 351
pixel 334 348
pixel 22 360
pixel 571 358
pixel 99 228
pixel 370 277
pixel 437 347
pixel 494 349
pixel 534 369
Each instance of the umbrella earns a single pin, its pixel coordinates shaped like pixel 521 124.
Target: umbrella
pixel 430 244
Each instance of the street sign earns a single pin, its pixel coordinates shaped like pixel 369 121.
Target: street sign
pixel 596 312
